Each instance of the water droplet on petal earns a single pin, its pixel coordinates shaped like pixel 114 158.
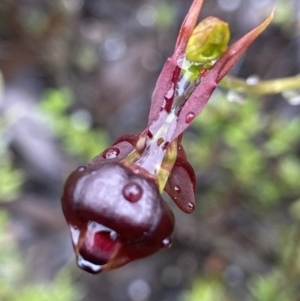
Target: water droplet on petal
pixel 189 117
pixel 170 92
pixel 132 192
pixel 177 188
pixel 81 168
pixel 88 266
pixel 180 61
pixel 203 72
pixel 166 243
pixel 111 153
pixel 191 206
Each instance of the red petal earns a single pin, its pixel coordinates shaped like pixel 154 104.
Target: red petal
pixel 188 26
pixel 236 50
pixel 131 138
pixel 163 83
pixel 181 185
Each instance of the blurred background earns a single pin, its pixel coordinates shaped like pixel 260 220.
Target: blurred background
pixel 75 75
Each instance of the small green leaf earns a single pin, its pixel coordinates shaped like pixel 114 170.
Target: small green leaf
pixel 57 101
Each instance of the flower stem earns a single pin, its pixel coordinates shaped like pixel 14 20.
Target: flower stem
pixel 273 86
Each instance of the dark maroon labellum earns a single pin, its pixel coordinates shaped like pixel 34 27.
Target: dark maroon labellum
pixel 132 192
pixel 108 222
pixel 111 153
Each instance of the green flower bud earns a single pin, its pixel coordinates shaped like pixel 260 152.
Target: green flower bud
pixel 208 41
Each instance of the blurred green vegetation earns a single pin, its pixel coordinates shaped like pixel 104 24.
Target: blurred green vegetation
pixel 73 128
pixel 280 284
pixel 248 151
pixel 206 289
pixel 13 285
pixel 13 269
pixel 251 156
pixel 10 178
pixel 244 152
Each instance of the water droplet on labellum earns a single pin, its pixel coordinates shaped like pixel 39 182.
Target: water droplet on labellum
pixel 113 235
pixel 111 153
pixel 189 117
pixel 88 266
pixel 191 206
pixel 166 243
pixel 81 168
pixel 132 192
pixel 75 233
pixel 177 188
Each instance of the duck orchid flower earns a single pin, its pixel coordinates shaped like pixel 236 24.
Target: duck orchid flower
pixel 113 205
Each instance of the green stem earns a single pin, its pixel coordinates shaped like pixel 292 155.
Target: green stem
pixel 261 87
